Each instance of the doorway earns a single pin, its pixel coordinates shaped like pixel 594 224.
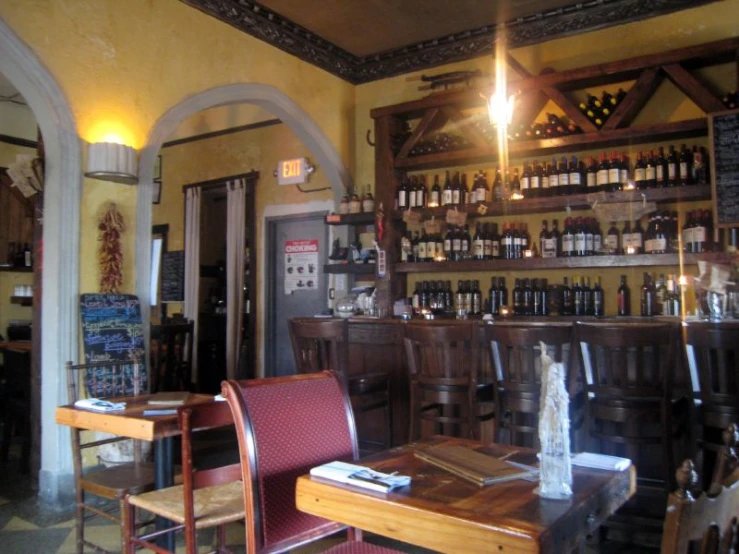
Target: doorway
pixel 296 283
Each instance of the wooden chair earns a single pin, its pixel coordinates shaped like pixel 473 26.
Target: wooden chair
pixel 15 404
pixel 286 426
pixel 207 497
pixel 515 354
pixel 171 356
pixel 707 520
pixel 443 367
pixel 712 357
pixel 323 344
pixel 109 380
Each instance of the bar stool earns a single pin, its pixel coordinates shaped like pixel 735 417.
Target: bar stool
pixel 443 366
pixel 631 409
pixel 515 353
pixel 712 357
pixel 171 356
pixel 321 344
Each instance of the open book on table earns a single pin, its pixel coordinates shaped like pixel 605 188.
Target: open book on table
pixel 481 469
pixel 360 476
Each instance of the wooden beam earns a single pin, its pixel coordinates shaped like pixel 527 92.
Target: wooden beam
pixel 430 119
pixel 469 132
pixel 637 97
pixel 693 88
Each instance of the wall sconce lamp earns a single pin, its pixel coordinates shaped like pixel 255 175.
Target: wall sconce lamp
pixel 500 108
pixel 109 161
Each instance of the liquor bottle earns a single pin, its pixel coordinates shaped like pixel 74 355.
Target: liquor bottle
pixel 556 238
pixel 564 177
pixel 421 193
pixel 568 239
pixel 476 298
pixel 544 292
pixel 648 297
pixel 591 175
pixel 623 298
pixel 502 292
pixel 576 184
pixel 494 296
pixel 435 196
pixel 478 244
pixel 553 189
pixel 673 301
pixel 535 183
pixel 579 231
pixel 448 241
pixel 412 186
pixel 637 237
pixel 614 174
pixel 487 242
pixel 368 202
pixel 686 166
pixel 602 175
pixel 613 240
pixel 528 298
pixel 672 167
pixel 640 172
pixel 495 243
pixel 650 171
pixel 577 297
pixel 402 193
pixel 661 167
pixel 446 193
pixel 517 298
pixel 598 298
pixel 624 173
pixel 525 184
pixel 660 296
pixel 567 300
pixel 456 190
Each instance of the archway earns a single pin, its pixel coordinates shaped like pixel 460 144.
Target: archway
pixel 63 185
pixel 265 96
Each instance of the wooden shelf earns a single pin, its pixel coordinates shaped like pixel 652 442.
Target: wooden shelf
pixel 17 269
pixel 366 218
pixel 573 202
pixel 526 264
pixel 22 300
pixel 351 269
pixel 532 148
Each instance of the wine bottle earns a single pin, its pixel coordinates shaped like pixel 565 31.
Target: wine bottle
pixel 598 298
pixel 421 193
pixel 672 167
pixel 435 196
pixel 494 296
pixel 567 300
pixel 648 305
pixel 575 178
pixel 553 189
pixel 526 181
pixel 517 297
pixel 564 177
pixel 446 193
pixel 613 240
pixel 602 175
pixel 650 171
pixel 614 174
pixel 402 194
pixel 591 176
pixel 478 244
pixel 568 239
pixel 661 167
pixel 640 172
pixel 623 298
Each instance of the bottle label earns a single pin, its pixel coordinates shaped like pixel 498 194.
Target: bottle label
pixel 411 199
pixel 368 206
pixel 415 302
pixel 640 174
pixel 591 179
pixel 549 248
pixel 624 176
pixel 446 197
pixel 457 245
pixel 699 234
pixel 612 243
pixel 447 245
pixel 487 248
pixel 465 245
pixel 651 173
pixel 422 250
pixel 588 242
pixel 402 199
pixel 659 244
pixel 420 200
pixel 455 196
pixel 435 197
pixel 660 173
pixel 478 248
pixel 524 183
pixel 545 182
pixel 671 171
pixel 688 235
pixel 535 182
pixel 649 246
pixel 568 243
pixel 431 250
pixel 602 178
pixel 580 242
pixel 637 240
pixel 495 249
pixel 614 175
pixel 506 241
pixel 575 178
pixel 553 181
pixel 684 171
pixel 405 249
pixel 564 179
pixel 417 252
pixel 517 242
pixel 597 243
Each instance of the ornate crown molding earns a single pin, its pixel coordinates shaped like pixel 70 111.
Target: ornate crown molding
pixel 282 33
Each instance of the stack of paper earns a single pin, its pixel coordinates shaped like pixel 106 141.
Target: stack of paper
pixel 600 461
pixel 360 476
pixel 100 405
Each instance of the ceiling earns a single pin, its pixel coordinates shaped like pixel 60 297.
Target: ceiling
pixel 367 40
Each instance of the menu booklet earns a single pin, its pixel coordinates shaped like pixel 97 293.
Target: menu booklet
pixel 360 476
pixel 481 469
pixel 176 398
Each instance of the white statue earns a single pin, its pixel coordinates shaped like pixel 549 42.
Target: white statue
pixel 555 476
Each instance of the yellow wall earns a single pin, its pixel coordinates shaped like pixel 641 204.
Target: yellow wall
pixel 204 160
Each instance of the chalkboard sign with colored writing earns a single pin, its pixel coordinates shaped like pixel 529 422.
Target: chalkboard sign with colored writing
pixel 112 330
pixel 173 276
pixel 723 131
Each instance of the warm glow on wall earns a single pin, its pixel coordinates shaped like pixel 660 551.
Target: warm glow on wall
pixel 111 131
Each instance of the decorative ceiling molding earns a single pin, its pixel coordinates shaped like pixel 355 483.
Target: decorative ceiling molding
pixel 286 35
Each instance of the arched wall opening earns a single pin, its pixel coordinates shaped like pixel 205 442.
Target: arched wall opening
pixel 60 281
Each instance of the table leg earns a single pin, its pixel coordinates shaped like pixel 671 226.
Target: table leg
pixel 163 478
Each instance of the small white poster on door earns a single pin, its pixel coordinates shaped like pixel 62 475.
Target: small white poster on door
pixel 301 265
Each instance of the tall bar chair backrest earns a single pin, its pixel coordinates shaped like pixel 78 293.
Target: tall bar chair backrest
pixel 286 426
pixel 443 366
pixel 515 352
pixel 320 344
pixel 171 356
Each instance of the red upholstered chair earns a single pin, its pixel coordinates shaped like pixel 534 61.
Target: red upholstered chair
pixel 286 426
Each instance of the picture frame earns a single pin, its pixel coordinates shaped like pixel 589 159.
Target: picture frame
pixel 156 196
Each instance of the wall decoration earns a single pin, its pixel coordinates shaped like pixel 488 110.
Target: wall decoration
pixel 301 265
pixel 110 255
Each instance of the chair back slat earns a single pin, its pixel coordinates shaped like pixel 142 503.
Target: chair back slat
pixel 286 426
pixel 320 344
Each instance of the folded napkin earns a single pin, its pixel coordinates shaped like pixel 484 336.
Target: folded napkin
pixel 360 476
pixel 600 461
pixel 100 405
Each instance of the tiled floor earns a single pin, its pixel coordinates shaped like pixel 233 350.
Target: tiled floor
pixel 29 527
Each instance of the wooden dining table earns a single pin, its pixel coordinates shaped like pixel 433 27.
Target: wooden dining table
pixel 446 513
pixel 131 422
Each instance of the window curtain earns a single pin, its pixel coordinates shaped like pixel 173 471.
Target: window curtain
pixel 235 273
pixel 192 268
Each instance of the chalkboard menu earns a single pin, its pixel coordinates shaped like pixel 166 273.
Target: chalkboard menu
pixel 112 331
pixel 173 276
pixel 724 136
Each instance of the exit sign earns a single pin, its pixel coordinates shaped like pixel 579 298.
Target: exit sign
pixel 292 172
